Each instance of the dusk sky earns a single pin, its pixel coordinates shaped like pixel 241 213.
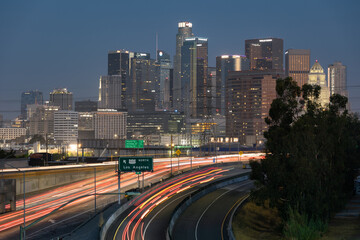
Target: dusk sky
pixel 55 44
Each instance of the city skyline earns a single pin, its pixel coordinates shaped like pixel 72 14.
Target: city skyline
pixel 59 52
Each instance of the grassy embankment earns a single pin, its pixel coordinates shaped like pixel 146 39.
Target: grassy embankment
pixel 256 222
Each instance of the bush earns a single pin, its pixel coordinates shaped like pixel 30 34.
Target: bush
pixel 299 227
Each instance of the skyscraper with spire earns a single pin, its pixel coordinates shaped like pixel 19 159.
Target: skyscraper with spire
pixel 184 31
pixel 318 77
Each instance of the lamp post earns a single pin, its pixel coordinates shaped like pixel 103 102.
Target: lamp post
pixel 171 153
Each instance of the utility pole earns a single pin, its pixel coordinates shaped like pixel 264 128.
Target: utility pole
pixel 191 148
pixel 46 144
pixel 95 188
pixel 171 152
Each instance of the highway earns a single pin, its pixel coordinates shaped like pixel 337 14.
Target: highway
pixel 38 205
pixel 207 218
pixel 149 217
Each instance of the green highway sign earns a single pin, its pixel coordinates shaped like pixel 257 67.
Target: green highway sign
pixel 135 164
pixel 134 143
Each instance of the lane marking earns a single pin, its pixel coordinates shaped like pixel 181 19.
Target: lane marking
pixel 161 211
pixel 207 208
pixel 223 222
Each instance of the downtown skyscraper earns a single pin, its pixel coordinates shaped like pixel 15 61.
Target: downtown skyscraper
pixel 114 88
pixel 63 98
pixel 30 97
pixel 184 31
pixel 224 65
pixel 337 79
pixel 195 97
pixel 317 76
pixel 265 54
pixel 164 80
pixel 297 65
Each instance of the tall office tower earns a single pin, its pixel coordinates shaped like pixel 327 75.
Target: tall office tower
pixel 119 63
pixel 111 94
pixel 61 97
pixel 249 95
pixel 165 65
pixel 110 124
pixel 212 89
pixel 171 87
pixel 318 77
pixel 265 53
pixel 86 106
pixel 30 97
pixel 337 79
pixel 297 65
pixel 144 84
pixel 66 126
pixel 225 64
pixel 184 31
pixel 1 120
pixel 195 98
pixel 42 121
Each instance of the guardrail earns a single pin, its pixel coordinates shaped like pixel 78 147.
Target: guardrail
pixel 184 204
pixel 229 227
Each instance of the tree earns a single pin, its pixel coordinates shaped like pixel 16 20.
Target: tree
pixel 311 152
pixel 37 138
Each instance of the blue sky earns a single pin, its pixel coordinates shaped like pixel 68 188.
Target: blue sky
pixel 50 44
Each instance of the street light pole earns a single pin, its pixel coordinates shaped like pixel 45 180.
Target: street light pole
pixel 191 149
pixel 95 188
pixel 171 150
pixel 24 205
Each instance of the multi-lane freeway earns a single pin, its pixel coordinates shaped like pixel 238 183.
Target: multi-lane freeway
pixel 66 219
pixel 148 218
pixel 208 217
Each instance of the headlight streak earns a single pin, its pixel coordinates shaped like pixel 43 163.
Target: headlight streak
pixel 39 204
pixel 146 207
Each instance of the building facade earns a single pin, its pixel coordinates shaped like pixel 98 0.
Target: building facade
pixel 42 121
pixel 224 65
pixel 86 106
pixel 164 80
pixel 66 125
pixel 63 98
pixel 195 96
pixel 86 129
pixel 337 79
pixel 249 95
pixel 265 54
pixel 317 76
pixel 111 92
pixel 11 133
pixel 145 86
pixel 119 64
pixel 110 124
pixel 184 31
pixel 297 65
pixel 211 80
pixel 30 97
pixel 141 124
